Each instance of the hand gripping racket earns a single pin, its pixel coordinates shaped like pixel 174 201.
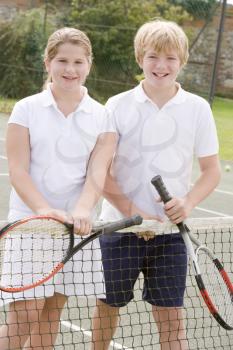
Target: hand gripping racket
pixel 212 280
pixel 34 249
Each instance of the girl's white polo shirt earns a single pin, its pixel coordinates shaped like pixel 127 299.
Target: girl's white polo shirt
pixel 60 150
pixel 158 141
pixel 60 147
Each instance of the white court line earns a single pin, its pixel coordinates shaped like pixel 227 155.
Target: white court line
pixel 224 192
pixel 221 191
pixel 3 157
pixel 2 139
pixel 211 211
pixel 4 174
pixel 74 327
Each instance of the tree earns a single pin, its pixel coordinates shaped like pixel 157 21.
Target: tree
pixel 197 8
pixel 22 42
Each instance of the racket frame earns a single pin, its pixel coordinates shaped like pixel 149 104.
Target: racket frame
pixel 71 250
pixel 193 255
pixel 56 269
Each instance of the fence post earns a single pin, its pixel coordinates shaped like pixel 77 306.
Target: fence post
pixel 217 53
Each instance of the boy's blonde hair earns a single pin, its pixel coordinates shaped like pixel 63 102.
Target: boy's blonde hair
pixel 63 36
pixel 161 36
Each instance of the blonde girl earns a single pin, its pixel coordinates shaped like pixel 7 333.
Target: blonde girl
pixel 59 145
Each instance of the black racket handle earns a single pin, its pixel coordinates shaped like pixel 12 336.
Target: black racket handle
pixel 123 223
pixel 116 225
pixel 158 183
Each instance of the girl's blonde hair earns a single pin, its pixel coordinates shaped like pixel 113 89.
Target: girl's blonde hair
pixel 67 35
pixel 161 36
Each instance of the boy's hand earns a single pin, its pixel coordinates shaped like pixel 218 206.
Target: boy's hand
pixel 178 209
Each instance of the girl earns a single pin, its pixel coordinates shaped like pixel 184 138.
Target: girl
pixel 59 144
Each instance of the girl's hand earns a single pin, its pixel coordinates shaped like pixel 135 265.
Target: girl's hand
pixel 56 213
pixel 82 222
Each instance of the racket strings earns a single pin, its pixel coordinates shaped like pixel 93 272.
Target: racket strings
pixel 30 251
pixel 217 289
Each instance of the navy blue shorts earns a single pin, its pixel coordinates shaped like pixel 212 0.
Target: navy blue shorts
pixel 162 260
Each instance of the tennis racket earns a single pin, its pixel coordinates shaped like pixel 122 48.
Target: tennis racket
pixel 212 280
pixel 34 249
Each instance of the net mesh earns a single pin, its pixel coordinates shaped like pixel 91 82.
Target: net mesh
pixel 29 252
pixel 137 328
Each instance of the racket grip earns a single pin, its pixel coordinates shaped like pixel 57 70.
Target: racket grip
pixel 133 220
pixel 158 183
pixel 124 223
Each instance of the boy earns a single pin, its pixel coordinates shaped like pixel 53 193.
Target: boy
pixel 161 127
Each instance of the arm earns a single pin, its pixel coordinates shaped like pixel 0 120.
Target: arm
pixel 18 153
pixel 179 209
pixel 119 200
pixel 98 165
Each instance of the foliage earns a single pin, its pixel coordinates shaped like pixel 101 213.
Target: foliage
pixel 222 109
pixel 111 26
pixel 6 105
pixel 22 42
pixel 201 9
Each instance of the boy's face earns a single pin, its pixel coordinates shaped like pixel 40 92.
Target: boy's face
pixel 161 69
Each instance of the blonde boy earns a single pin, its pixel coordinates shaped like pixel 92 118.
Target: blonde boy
pixel 161 127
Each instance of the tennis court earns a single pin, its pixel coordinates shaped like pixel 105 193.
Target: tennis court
pixel 137 329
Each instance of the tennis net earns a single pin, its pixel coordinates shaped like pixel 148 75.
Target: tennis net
pixel 137 328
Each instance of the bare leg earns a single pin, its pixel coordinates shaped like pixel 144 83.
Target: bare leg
pixel 44 333
pixel 32 324
pixel 104 324
pixel 20 318
pixel 171 328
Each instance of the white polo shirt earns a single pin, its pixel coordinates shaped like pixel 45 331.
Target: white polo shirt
pixel 158 141
pixel 60 147
pixel 60 150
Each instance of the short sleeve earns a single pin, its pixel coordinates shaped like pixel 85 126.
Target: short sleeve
pixel 107 124
pixel 206 139
pixel 110 106
pixel 19 114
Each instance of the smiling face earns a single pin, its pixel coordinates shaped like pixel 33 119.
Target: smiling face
pixel 69 68
pixel 160 69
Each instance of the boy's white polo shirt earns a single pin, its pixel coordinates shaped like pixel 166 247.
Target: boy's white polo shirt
pixel 158 141
pixel 60 147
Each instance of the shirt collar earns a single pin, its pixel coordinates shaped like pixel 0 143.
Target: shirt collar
pixel 48 100
pixel 141 96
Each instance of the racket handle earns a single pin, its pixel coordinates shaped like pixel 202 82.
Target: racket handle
pixel 158 183
pixel 133 220
pixel 123 223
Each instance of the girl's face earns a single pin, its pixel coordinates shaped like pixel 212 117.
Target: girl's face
pixel 69 68
pixel 161 69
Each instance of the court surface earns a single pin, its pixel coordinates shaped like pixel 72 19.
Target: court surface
pixel 75 333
